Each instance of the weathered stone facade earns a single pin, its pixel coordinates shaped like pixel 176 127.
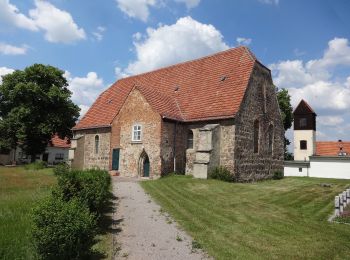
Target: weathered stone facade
pixel 216 111
pixel 259 103
pixel 136 110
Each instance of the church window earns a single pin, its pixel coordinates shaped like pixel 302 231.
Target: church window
pixel 256 136
pixel 136 133
pixel 97 144
pixel 190 139
pixel 270 139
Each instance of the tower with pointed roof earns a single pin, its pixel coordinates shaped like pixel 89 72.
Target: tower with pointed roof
pixel 304 132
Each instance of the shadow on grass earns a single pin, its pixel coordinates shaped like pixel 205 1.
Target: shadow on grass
pixel 107 229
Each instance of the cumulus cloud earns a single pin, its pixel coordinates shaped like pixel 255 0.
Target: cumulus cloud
pixel 136 8
pixel 189 3
pixel 57 24
pixel 169 44
pixel 10 14
pixel 319 83
pixel 8 49
pixel 4 71
pixel 315 80
pixel 85 89
pixel 98 34
pixel 244 41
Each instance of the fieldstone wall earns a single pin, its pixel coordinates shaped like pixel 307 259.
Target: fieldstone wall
pixel 136 110
pixel 92 159
pixel 259 102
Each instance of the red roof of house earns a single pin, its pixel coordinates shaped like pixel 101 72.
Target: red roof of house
pixel 58 142
pixel 332 148
pixel 211 87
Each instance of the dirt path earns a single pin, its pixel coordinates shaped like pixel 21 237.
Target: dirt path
pixel 144 231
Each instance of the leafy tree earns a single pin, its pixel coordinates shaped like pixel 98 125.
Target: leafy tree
pixel 287 116
pixel 35 104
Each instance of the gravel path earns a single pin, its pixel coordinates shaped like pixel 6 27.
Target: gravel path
pixel 144 231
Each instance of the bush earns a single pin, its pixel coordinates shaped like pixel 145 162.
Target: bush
pixel 221 173
pixel 35 166
pixel 278 175
pixel 62 230
pixel 90 186
pixel 61 168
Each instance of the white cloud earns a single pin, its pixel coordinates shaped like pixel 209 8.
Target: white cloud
pixel 330 120
pixel 189 3
pixel 319 83
pixel 8 49
pixel 10 14
pixel 4 71
pixel 136 8
pixel 57 24
pixel 98 34
pixel 315 80
pixel 85 89
pixel 244 41
pixel 169 44
pixel 269 2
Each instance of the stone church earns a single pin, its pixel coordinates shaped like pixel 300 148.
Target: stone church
pixel 219 110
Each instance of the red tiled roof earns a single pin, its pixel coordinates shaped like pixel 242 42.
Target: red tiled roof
pixel 331 148
pixel 188 91
pixel 58 142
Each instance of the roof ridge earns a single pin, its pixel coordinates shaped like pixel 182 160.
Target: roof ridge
pixel 191 61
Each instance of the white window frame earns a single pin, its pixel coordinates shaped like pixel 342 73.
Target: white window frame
pixel 136 131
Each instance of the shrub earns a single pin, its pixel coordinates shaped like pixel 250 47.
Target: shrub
pixel 90 186
pixel 60 169
pixel 35 166
pixel 221 173
pixel 62 230
pixel 278 175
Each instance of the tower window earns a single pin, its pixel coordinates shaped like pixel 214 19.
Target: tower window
pixel 256 136
pixel 303 122
pixel 303 145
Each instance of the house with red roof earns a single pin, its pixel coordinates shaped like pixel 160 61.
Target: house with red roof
pixel 219 110
pixel 323 159
pixel 56 152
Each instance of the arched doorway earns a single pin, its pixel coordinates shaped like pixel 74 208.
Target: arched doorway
pixel 144 165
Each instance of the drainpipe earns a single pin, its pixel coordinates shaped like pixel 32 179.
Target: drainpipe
pixel 174 146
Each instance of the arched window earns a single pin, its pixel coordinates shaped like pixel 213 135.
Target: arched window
pixel 256 136
pixel 270 139
pixel 190 139
pixel 97 144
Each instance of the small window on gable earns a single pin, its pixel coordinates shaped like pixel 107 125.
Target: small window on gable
pixel 136 133
pixel 190 139
pixel 256 136
pixel 97 144
pixel 303 145
pixel 270 139
pixel 303 122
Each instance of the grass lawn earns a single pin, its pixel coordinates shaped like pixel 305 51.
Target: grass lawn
pixel 19 191
pixel 283 219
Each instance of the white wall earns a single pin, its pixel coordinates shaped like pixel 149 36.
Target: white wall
pixel 310 137
pixel 294 171
pixel 338 168
pixel 55 150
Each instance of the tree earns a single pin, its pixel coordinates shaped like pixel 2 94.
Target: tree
pixel 35 104
pixel 287 117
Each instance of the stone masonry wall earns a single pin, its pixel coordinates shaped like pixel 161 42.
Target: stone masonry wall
pixel 136 110
pixel 91 159
pixel 250 166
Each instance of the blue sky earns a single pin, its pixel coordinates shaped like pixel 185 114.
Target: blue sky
pixel 305 43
